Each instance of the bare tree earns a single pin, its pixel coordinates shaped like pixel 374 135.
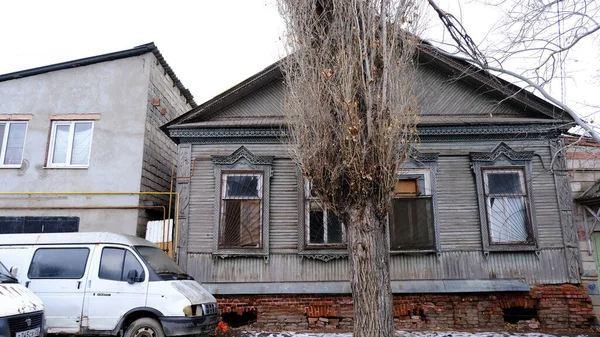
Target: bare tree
pixel 540 33
pixel 350 111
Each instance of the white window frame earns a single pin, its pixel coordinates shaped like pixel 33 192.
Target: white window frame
pixel 308 198
pixel 224 176
pixel 71 125
pixel 5 143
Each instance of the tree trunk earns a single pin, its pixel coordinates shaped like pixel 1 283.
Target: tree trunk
pixel 370 273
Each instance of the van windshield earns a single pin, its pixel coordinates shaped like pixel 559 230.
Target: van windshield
pixel 162 264
pixel 5 276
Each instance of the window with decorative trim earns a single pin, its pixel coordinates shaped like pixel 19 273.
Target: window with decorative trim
pixel 323 228
pixel 412 225
pixel 413 222
pixel 70 144
pixel 506 207
pixel 241 209
pixel 12 143
pixel 242 204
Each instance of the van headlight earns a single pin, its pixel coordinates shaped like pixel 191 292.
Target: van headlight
pixel 187 310
pixel 193 310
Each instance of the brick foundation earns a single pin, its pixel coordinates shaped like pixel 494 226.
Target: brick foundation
pixel 558 307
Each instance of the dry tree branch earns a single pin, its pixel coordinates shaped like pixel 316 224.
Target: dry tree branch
pixel 464 44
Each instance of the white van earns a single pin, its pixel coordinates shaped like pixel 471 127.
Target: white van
pixel 108 284
pixel 21 311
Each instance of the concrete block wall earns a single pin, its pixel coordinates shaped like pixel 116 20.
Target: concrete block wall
pixel 165 102
pixel 583 163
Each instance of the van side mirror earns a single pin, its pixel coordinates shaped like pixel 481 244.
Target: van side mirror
pixel 132 277
pixel 14 271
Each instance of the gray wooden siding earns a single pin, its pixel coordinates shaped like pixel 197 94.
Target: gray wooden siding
pixel 440 94
pixel 284 206
pixel 266 102
pixel 548 268
pixel 460 234
pixel 437 94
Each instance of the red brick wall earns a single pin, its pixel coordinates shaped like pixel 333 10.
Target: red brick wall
pixel 558 307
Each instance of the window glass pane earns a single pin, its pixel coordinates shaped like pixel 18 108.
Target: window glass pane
pixel 504 183
pixel 14 144
pixel 58 263
pixel 2 129
pixel 82 139
pixel 507 219
pixel 240 224
pixel 316 228
pixel 250 223
pixel 11 224
pixel 411 226
pixel 242 186
pixel 111 264
pixel 334 228
pixel 131 263
pixel 38 224
pixel 61 143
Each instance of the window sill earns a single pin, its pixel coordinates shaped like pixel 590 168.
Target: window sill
pixel 325 246
pixel 511 247
pixel 241 252
pixel 67 167
pixel 413 251
pixel 10 166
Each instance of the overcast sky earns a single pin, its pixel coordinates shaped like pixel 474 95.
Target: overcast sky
pixel 211 45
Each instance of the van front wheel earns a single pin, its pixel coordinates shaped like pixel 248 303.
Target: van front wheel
pixel 144 327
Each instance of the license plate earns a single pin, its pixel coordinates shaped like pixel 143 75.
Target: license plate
pixel 29 333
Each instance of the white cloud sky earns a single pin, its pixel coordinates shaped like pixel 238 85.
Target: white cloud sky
pixel 211 45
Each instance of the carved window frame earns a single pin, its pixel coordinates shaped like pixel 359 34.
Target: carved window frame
pixel 241 161
pixel 502 157
pixel 424 164
pixel 305 250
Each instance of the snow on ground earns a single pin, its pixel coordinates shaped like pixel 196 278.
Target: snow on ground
pixel 403 334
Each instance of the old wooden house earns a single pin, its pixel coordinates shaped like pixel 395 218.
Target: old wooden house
pixel 481 232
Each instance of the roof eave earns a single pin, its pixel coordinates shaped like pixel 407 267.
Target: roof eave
pixel 136 51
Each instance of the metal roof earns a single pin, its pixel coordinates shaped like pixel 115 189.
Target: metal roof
pixel 72 238
pixel 136 51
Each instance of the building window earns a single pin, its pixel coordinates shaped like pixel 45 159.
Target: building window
pixel 38 224
pixel 507 206
pixel 70 143
pixel 323 228
pixel 241 209
pixel 412 225
pixel 12 142
pixel 241 212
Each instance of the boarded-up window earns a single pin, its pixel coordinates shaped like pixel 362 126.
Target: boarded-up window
pixel 507 206
pixel 411 219
pixel 241 210
pixel 323 226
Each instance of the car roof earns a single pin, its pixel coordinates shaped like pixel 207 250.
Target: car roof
pixel 72 238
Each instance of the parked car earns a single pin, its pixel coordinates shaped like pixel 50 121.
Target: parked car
pixel 108 284
pixel 21 311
